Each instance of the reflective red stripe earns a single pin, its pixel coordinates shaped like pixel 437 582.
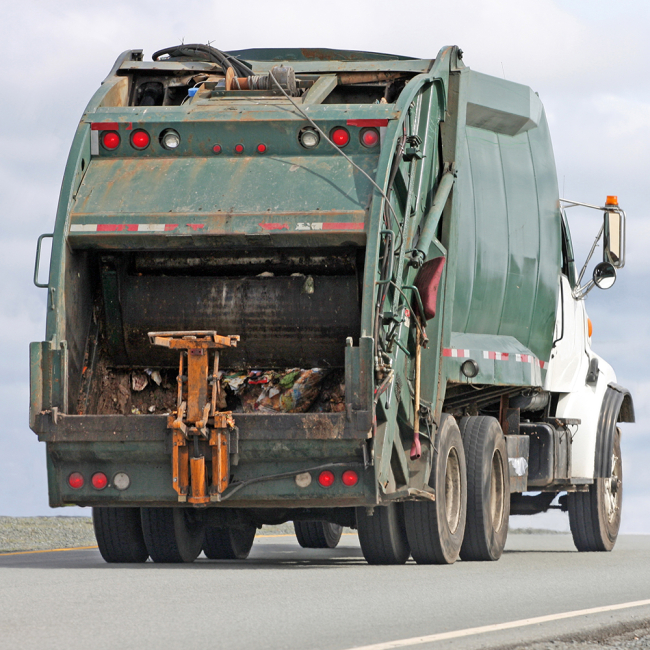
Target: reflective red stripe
pixel 367 122
pixel 104 126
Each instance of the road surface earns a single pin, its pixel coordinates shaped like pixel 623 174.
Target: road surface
pixel 284 596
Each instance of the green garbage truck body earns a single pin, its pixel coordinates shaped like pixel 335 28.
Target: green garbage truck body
pixel 325 286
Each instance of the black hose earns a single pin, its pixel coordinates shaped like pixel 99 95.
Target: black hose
pixel 200 52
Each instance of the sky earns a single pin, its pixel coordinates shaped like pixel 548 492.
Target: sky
pixel 588 60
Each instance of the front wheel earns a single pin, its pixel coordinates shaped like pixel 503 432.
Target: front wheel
pixel 317 534
pixel 488 488
pixel 595 516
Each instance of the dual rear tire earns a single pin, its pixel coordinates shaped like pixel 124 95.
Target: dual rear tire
pixel 167 535
pixel 468 519
pixel 317 534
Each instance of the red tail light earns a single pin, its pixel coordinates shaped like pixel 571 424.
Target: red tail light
pixel 140 139
pixel 99 480
pixel 350 478
pixel 261 148
pixel 217 148
pixel 110 140
pixel 340 136
pixel 239 148
pixel 76 480
pixel 326 478
pixel 369 137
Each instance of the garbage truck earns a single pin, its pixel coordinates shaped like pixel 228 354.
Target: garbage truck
pixel 323 286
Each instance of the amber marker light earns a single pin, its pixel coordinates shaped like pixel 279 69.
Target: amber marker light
pixel 590 327
pixel 612 200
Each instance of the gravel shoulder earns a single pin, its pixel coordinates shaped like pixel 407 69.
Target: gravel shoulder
pixel 47 533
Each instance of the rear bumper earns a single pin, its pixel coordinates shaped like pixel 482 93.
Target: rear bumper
pixel 265 447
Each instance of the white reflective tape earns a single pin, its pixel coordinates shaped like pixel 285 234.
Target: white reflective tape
pixel 94 143
pixel 151 227
pixel 84 227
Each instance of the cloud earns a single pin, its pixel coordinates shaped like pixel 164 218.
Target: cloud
pixel 586 59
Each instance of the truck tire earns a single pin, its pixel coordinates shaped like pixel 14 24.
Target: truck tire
pixel 488 489
pixel 435 529
pixel 595 516
pixel 317 534
pixel 229 543
pixel 119 534
pixel 382 535
pixel 173 534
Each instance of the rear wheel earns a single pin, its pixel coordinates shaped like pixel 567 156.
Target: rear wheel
pixel 317 534
pixel 435 529
pixel 488 489
pixel 595 516
pixel 119 534
pixel 229 543
pixel 173 534
pixel 382 535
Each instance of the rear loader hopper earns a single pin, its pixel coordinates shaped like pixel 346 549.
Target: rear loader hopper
pixel 320 286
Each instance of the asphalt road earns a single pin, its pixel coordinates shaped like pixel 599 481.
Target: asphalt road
pixel 284 596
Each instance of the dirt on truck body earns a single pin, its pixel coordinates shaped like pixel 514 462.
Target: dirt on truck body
pixel 322 286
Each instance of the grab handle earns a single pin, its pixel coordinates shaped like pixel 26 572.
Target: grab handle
pixel 38 262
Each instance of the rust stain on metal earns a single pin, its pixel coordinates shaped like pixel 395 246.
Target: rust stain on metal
pixel 196 415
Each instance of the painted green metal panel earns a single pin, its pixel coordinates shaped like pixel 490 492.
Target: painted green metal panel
pixel 263 186
pixel 509 237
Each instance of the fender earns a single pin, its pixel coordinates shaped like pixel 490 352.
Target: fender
pixel 617 406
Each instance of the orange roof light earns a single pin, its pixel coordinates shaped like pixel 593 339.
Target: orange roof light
pixel 612 200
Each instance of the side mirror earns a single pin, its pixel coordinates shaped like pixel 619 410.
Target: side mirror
pixel 614 243
pixel 604 275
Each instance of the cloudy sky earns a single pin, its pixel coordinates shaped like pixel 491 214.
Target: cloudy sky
pixel 587 59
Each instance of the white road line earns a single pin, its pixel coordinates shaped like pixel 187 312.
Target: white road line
pixel 457 634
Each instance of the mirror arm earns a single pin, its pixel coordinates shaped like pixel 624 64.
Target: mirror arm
pixel 591 252
pixel 580 293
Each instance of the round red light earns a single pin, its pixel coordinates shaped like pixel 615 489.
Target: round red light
pixel 76 480
pixel 239 148
pixel 140 139
pixel 340 137
pixel 369 137
pixel 216 148
pixel 350 478
pixel 99 481
pixel 261 148
pixel 326 478
pixel 110 140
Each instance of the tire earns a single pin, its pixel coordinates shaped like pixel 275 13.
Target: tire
pixel 382 536
pixel 595 516
pixel 229 543
pixel 488 489
pixel 317 534
pixel 173 534
pixel 435 529
pixel 119 535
